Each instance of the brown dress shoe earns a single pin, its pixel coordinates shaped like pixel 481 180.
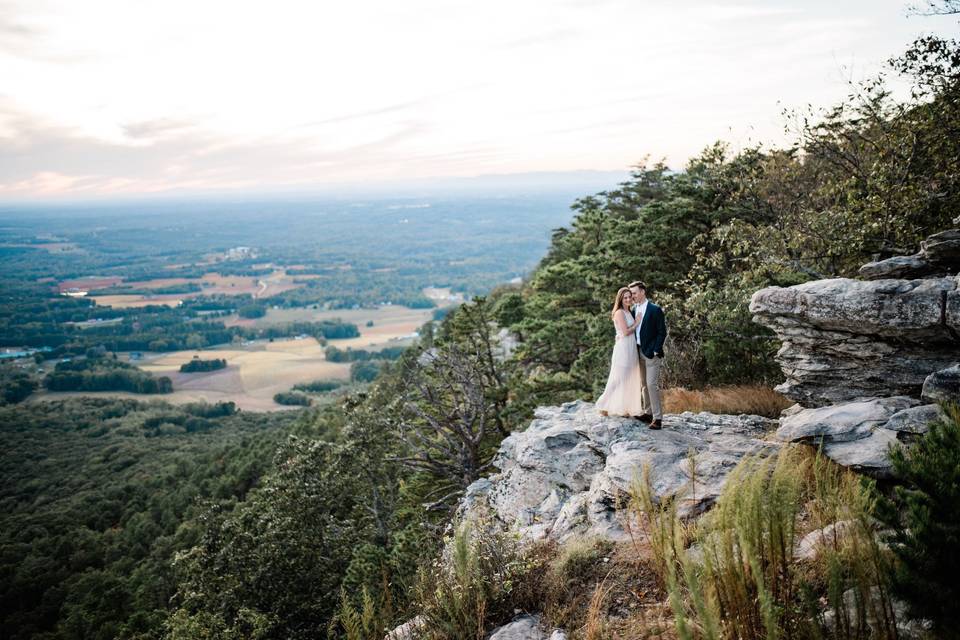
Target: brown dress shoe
pixel 645 418
pixel 656 424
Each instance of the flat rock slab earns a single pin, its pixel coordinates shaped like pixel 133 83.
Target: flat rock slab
pixel 569 472
pixel 859 434
pixel 914 266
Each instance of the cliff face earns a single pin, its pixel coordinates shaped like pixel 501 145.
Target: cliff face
pixel 570 470
pixel 867 360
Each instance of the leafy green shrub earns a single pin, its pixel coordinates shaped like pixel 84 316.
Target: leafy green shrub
pixel 924 513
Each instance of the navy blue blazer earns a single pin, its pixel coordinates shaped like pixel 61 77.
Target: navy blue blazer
pixel 653 330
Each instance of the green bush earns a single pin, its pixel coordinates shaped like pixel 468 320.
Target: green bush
pixel 924 512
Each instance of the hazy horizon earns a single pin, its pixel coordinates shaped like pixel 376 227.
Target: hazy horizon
pixel 574 184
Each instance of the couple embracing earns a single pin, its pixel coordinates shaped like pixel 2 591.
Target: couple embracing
pixel 633 385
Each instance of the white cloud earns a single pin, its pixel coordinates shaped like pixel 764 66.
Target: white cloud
pixel 139 95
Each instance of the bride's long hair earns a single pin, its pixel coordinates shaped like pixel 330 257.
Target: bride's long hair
pixel 618 301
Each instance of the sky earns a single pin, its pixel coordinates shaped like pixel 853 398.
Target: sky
pixel 107 98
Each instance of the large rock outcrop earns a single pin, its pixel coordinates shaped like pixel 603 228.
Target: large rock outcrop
pixel 868 360
pixel 939 255
pixel 569 471
pixel 845 339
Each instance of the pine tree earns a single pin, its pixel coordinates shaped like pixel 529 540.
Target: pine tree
pixel 924 513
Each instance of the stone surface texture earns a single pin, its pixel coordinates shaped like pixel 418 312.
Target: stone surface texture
pixel 845 339
pixel 868 361
pixel 525 627
pixel 569 471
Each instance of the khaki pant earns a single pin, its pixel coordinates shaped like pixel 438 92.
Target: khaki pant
pixel 650 389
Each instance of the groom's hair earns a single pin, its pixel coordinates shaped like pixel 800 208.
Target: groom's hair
pixel 639 285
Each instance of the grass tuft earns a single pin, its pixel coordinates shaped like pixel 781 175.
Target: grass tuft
pixel 751 399
pixel 746 583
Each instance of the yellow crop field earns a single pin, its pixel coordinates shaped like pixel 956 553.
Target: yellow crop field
pixel 391 323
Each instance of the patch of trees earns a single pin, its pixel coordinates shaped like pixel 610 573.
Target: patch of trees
pixel 186 287
pixel 99 496
pixel 318 386
pixel 292 398
pixel 335 354
pixel 15 386
pixel 35 318
pixel 364 371
pixel 197 364
pixel 104 374
pixel 252 311
pixel 321 330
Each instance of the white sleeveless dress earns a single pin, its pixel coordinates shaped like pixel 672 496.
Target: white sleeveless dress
pixel 623 393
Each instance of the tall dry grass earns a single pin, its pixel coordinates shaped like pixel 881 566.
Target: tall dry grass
pixel 751 399
pixel 746 582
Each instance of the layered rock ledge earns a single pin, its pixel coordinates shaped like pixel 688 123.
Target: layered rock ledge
pixel 870 359
pixel 569 472
pixel 846 339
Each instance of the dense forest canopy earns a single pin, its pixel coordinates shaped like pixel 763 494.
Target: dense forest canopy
pixel 99 494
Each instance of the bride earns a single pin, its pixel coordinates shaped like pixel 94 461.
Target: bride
pixel 623 393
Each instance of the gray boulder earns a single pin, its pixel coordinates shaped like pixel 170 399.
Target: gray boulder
pixel 859 434
pixel 845 339
pixel 943 385
pixel 906 627
pixel 525 627
pixel 939 255
pixel 943 250
pixel 841 422
pixel 915 420
pixel 570 470
pixel 412 629
pixel 834 534
pixel 914 266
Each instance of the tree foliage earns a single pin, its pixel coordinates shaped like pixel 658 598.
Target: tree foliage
pixel 924 513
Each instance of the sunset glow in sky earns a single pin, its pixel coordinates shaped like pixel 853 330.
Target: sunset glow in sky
pixel 128 97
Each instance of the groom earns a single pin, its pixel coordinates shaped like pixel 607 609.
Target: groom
pixel 650 336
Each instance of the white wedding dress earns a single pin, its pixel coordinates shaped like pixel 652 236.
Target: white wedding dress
pixel 623 393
